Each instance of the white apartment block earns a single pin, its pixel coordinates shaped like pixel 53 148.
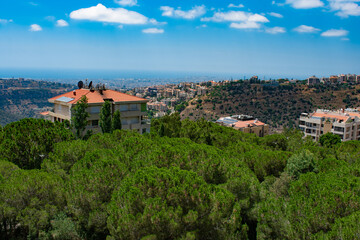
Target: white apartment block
pixel 345 123
pixel 133 109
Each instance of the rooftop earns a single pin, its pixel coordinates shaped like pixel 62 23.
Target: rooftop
pixel 95 96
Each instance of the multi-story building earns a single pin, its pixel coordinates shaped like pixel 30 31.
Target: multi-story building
pixel 313 81
pixel 133 109
pixel 244 123
pixel 345 123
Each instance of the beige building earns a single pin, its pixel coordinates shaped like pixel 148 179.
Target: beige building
pixel 246 124
pixel 132 109
pixel 346 124
pixel 313 81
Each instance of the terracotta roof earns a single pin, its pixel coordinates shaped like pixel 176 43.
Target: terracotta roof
pixel 45 113
pixel 95 97
pixel 326 115
pixel 250 123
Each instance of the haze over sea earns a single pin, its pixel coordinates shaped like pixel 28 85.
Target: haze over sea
pixel 127 78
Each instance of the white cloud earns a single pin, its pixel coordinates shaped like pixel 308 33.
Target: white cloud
pixel 129 3
pixel 236 16
pixel 5 21
pixel 275 30
pixel 193 13
pixel 345 39
pixel 335 33
pixel 305 4
pixel 245 25
pixel 100 13
pixel 153 31
pixel 345 8
pixel 35 28
pixel 231 5
pixel 61 23
pixel 277 15
pixel 202 26
pixel 306 29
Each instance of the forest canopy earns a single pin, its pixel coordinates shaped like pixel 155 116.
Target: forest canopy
pixel 184 180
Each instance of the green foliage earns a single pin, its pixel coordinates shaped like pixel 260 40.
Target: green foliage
pixel 302 162
pixel 29 199
pixel 80 115
pixel 329 140
pixel 29 141
pixel 63 228
pixel 185 180
pixel 105 117
pixel 171 203
pixel 116 121
pixel 91 183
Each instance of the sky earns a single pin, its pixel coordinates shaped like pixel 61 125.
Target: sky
pixel 264 37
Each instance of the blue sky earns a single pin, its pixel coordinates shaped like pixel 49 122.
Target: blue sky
pixel 284 37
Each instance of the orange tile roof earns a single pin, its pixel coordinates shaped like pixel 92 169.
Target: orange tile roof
pixel 45 113
pixel 244 124
pixel 96 97
pixel 326 115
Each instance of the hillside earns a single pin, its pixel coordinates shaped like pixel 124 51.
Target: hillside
pixel 277 105
pixel 21 98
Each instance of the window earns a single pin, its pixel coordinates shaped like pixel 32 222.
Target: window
pixel 124 121
pixel 95 123
pixel 134 107
pixel 124 108
pixel 134 120
pixel 94 110
pixel 339 129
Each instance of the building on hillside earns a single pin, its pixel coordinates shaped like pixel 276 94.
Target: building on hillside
pixel 358 79
pixel 313 81
pixel 133 109
pixel 334 79
pixel 345 123
pixel 245 123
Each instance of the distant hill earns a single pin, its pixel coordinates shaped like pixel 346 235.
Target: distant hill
pixel 277 105
pixel 22 98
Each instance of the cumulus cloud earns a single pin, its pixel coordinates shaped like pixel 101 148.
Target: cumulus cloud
pixel 275 30
pixel 61 23
pixel 306 29
pixel 231 5
pixel 335 33
pixel 153 31
pixel 277 15
pixel 129 3
pixel 236 16
pixel 245 25
pixel 35 28
pixel 345 8
pixel 305 4
pixel 100 13
pixel 193 13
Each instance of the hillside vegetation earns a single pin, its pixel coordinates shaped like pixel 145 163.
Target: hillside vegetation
pixel 185 180
pixel 280 106
pixel 26 98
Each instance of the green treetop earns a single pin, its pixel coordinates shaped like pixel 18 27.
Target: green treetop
pixel 80 115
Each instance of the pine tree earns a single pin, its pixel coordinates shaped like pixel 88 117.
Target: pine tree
pixel 105 117
pixel 80 115
pixel 116 121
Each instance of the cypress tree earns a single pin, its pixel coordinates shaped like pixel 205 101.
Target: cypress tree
pixel 105 117
pixel 80 115
pixel 116 121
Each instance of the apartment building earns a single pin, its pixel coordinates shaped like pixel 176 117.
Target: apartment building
pixel 245 123
pixel 345 123
pixel 313 81
pixel 133 109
